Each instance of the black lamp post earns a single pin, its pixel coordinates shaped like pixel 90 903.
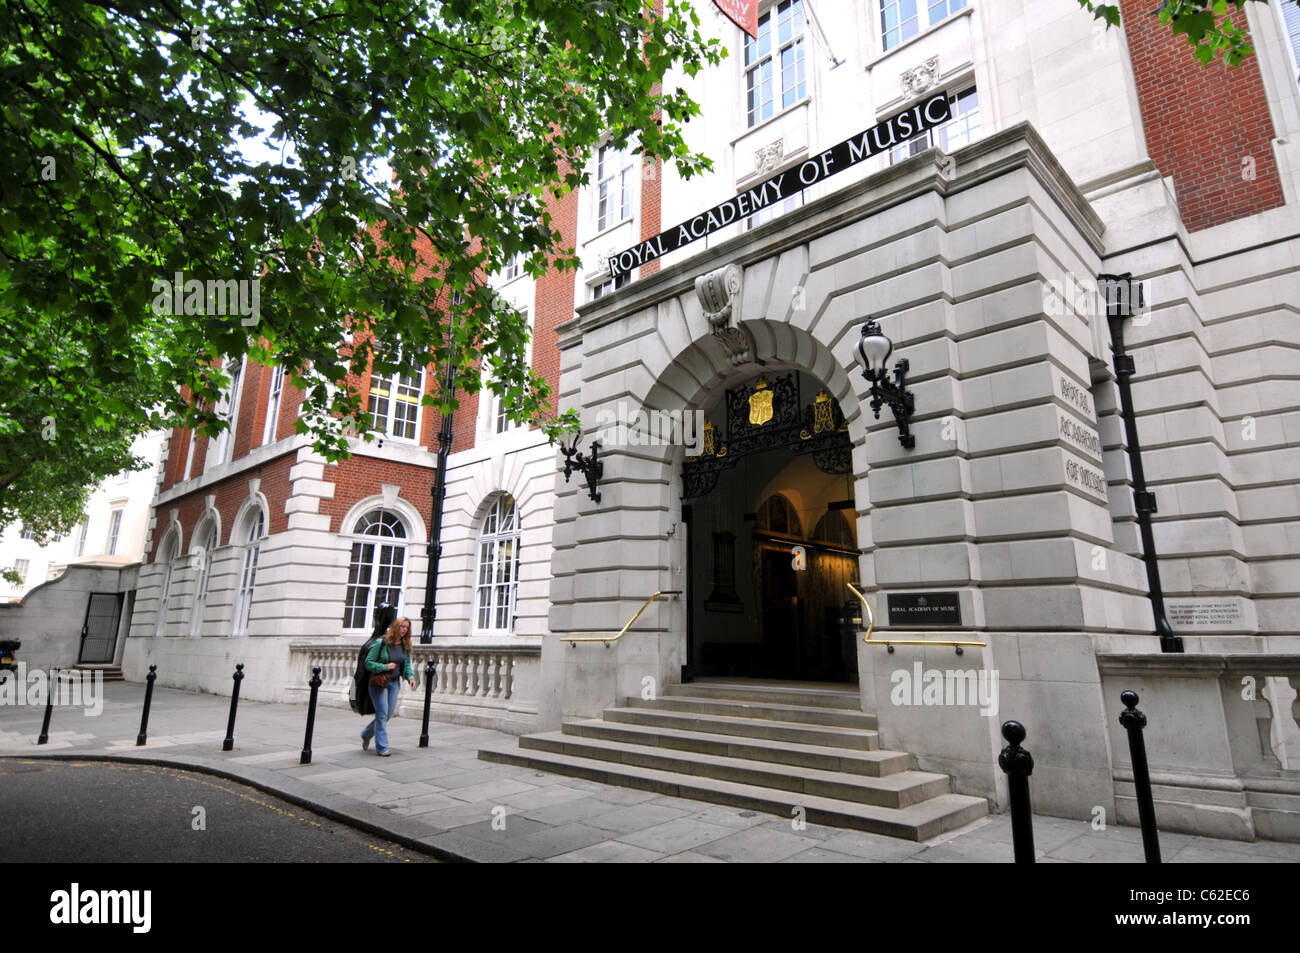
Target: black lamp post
pixel 873 353
pixel 1123 297
pixel 439 493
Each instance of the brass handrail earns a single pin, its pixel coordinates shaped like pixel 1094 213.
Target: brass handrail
pixel 572 640
pixel 890 643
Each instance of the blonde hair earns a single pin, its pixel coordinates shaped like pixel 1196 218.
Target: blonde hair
pixel 395 635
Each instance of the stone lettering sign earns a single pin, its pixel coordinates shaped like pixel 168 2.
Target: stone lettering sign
pixel 1081 436
pixel 1083 477
pixel 918 118
pixel 924 608
pixel 1073 393
pixel 1220 613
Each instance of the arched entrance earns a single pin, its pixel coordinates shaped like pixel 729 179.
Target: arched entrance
pixel 769 509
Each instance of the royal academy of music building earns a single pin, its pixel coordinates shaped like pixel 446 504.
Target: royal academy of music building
pixel 983 313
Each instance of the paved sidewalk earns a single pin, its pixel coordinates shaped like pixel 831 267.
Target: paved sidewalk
pixel 444 800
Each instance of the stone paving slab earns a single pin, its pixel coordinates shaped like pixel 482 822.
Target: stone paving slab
pixel 444 800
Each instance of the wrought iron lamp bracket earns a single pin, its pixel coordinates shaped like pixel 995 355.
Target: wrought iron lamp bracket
pixel 589 466
pixel 898 397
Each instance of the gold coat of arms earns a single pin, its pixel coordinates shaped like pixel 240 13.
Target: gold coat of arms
pixel 760 403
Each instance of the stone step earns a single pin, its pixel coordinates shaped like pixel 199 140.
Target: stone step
pixel 801 714
pixel 840 698
pixel 899 790
pixel 916 822
pixel 752 727
pixel 871 763
pixel 110 673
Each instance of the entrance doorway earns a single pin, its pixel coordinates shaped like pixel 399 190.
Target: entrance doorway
pixel 99 632
pixel 770 519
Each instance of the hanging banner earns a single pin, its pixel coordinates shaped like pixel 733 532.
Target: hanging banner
pixel 923 116
pixel 743 13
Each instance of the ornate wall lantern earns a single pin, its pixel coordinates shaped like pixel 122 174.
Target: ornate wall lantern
pixel 591 468
pixel 873 353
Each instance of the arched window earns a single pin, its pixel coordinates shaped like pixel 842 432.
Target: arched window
pixel 256 529
pixel 833 528
pixel 201 558
pixel 498 568
pixel 167 558
pixel 377 567
pixel 777 516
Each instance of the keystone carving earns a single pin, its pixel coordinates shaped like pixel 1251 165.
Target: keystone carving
pixel 718 291
pixel 920 78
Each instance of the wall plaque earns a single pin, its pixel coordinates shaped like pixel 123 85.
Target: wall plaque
pixel 1219 613
pixel 924 608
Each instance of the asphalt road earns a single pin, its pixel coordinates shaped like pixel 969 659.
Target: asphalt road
pixel 100 812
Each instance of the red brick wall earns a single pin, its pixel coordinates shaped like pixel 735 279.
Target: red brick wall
pixel 651 185
pixel 230 494
pixel 554 295
pixel 1201 122
pixel 359 477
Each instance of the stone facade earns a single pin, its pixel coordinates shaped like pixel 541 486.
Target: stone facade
pixel 977 258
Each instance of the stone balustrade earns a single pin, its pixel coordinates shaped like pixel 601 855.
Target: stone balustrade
pixel 1222 739
pixel 491 686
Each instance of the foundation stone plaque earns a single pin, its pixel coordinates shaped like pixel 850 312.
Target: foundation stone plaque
pixel 924 608
pixel 1219 613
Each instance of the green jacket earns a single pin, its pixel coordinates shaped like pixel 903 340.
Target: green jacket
pixel 377 661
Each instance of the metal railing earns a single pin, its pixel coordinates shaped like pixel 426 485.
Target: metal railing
pixel 573 640
pixel 890 643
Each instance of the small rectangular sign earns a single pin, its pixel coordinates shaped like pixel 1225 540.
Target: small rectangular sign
pixel 743 13
pixel 895 130
pixel 924 608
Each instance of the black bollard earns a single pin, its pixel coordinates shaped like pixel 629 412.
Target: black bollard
pixel 311 715
pixel 49 707
pixel 1018 765
pixel 1133 721
pixel 428 688
pixel 148 698
pixel 229 743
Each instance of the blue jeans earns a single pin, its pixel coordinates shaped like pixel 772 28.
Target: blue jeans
pixel 384 700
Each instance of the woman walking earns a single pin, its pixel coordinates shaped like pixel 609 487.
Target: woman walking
pixel 388 662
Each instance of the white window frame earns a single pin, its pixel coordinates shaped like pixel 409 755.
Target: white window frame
pixel 514 267
pixel 22 567
pixel 393 382
pixel 1289 17
pixel 923 17
pixel 358 537
pixel 165 586
pixel 81 539
pixel 206 538
pixel 273 400
pixel 254 533
pixel 221 447
pixel 621 175
pixel 496 576
pixel 599 289
pixel 943 136
pixel 769 24
pixel 114 531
